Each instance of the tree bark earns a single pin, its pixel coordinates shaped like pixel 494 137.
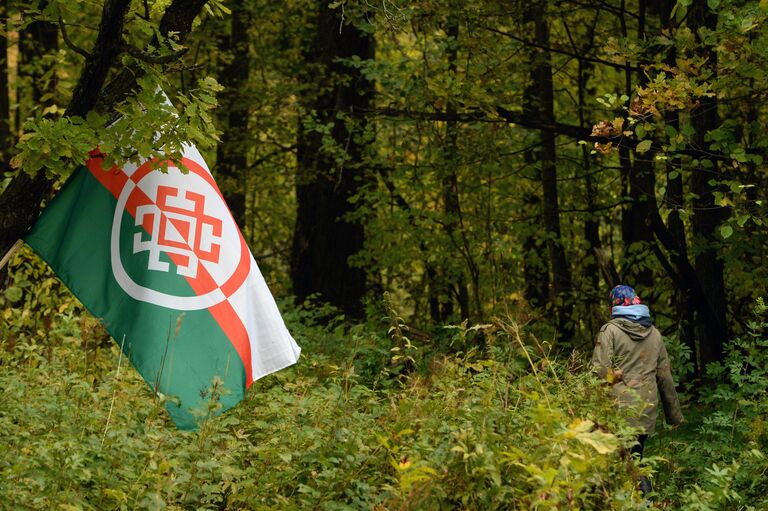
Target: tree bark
pixel 707 215
pixel 20 201
pixel 535 263
pixel 232 154
pixel 641 180
pixel 542 82
pixel 5 107
pixel 675 198
pixel 592 221
pixel 324 239
pixel 450 185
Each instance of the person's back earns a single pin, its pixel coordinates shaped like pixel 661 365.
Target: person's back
pixel 630 354
pixel 637 359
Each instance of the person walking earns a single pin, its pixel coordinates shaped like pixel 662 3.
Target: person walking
pixel 630 354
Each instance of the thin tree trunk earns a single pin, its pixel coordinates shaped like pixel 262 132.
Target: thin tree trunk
pixel 561 275
pixel 324 239
pixel 675 201
pixel 592 223
pixel 450 181
pixel 5 110
pixel 231 154
pixel 535 263
pixel 638 238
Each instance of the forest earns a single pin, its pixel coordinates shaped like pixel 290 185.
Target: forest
pixel 440 195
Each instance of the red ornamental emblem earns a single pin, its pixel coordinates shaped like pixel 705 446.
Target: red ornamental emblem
pixel 178 224
pixel 180 219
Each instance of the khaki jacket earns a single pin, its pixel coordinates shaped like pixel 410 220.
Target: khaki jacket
pixel 634 360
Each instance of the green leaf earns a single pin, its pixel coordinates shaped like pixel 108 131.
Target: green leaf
pixel 643 146
pixel 726 231
pixel 13 294
pixel 671 131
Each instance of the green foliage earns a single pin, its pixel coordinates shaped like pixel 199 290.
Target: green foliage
pixel 725 440
pixel 59 145
pixel 377 416
pixel 509 429
pixel 359 425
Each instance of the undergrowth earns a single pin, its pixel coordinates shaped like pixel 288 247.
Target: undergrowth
pixel 372 417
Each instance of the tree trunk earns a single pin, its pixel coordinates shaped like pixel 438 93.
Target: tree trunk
pixel 592 222
pixel 675 199
pixel 450 183
pixel 5 110
pixel 324 239
pixel 542 82
pixel 707 216
pixel 535 263
pixel 638 237
pixel 41 39
pixel 232 161
pixel 20 201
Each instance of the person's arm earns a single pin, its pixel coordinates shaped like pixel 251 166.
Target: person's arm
pixel 602 357
pixel 667 392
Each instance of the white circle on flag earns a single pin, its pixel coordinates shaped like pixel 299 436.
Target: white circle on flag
pixel 185 230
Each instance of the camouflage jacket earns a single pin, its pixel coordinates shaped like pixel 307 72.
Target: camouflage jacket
pixel 634 360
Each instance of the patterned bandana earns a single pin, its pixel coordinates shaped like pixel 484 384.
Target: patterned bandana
pixel 622 295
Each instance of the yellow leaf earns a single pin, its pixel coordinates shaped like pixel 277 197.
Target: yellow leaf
pixel 603 443
pixel 577 427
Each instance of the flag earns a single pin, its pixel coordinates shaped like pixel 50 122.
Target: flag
pixel 158 258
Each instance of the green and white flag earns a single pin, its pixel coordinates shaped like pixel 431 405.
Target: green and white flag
pixel 158 258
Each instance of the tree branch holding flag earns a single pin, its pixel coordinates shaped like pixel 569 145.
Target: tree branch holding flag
pixel 21 199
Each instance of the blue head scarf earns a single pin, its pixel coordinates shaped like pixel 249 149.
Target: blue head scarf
pixel 626 304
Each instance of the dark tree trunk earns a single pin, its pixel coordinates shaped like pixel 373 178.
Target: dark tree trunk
pixel 232 155
pixel 542 81
pixel 324 239
pixel 41 39
pixel 535 262
pixel 535 267
pixel 5 110
pixel 707 216
pixel 20 201
pixel 450 184
pixel 638 237
pixel 675 199
pixel 592 222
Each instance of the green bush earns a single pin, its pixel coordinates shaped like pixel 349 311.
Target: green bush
pixel 717 460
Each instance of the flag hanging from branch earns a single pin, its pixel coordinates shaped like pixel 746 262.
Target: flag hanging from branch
pixel 158 258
